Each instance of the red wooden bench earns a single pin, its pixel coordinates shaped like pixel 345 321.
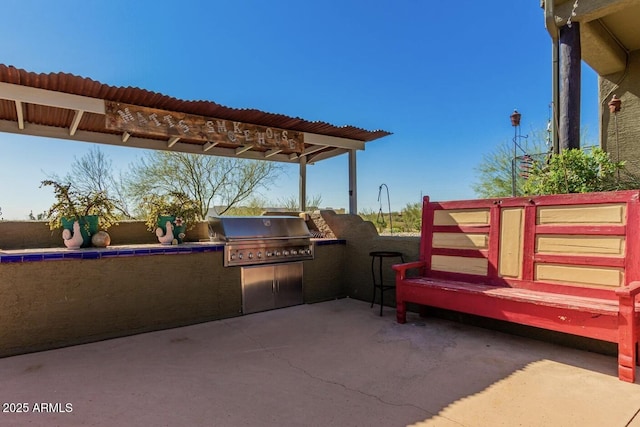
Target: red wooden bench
pixel 568 263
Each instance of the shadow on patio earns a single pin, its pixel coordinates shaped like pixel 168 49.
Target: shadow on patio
pixel 333 363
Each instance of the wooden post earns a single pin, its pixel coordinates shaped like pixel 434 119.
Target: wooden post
pixel 570 79
pixel 555 93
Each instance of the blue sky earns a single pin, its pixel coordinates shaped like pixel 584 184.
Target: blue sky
pixel 442 76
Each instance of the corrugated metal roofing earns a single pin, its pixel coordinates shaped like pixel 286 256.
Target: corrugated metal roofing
pixel 76 85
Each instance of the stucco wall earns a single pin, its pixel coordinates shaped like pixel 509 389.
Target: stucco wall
pixel 48 304
pixel 626 85
pixel 324 276
pixel 362 238
pixel 36 234
pixel 53 303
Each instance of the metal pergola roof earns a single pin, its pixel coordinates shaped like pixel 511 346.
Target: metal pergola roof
pixel 60 105
pixel 65 106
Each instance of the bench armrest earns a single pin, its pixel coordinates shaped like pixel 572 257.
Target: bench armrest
pixel 401 269
pixel 629 291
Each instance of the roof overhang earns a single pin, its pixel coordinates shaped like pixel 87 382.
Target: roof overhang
pixel 609 29
pixel 75 108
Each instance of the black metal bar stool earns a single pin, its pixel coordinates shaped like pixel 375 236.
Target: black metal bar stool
pixel 380 255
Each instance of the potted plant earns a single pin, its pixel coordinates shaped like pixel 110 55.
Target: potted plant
pixel 170 216
pixel 75 211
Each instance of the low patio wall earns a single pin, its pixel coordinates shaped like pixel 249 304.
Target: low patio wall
pixel 54 301
pixel 36 234
pixel 62 299
pixel 362 238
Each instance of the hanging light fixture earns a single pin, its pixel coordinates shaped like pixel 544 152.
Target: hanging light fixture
pixel 615 105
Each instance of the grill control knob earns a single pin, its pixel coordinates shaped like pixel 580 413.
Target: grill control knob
pixel 269 254
pixel 285 253
pixel 240 256
pixel 259 254
pixel 250 255
pixel 232 257
pixel 277 253
pixel 294 252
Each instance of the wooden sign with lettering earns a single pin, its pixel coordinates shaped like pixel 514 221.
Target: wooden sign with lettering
pixel 150 121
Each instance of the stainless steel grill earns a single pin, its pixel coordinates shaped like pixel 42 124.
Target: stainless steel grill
pixel 262 239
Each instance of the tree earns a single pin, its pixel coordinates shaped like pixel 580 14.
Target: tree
pixel 93 174
pixel 292 203
pixel 495 170
pixel 412 216
pixel 376 218
pixel 205 179
pixel 255 205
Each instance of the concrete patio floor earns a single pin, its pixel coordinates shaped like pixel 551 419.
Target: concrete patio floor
pixel 329 364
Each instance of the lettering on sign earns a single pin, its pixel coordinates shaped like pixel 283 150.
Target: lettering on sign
pixel 150 121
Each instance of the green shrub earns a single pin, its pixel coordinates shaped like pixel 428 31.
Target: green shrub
pixel 575 171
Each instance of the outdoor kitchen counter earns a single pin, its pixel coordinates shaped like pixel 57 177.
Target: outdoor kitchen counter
pixel 50 254
pixel 101 293
pixel 53 254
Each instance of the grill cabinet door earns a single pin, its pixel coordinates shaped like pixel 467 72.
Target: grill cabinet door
pixel 288 279
pixel 258 289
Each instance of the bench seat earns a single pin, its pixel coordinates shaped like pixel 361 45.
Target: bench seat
pixel 567 263
pixel 590 317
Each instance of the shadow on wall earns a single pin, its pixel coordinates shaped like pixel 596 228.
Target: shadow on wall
pixel 361 239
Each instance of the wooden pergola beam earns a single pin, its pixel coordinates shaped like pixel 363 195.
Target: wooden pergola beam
pixel 75 122
pixel 20 114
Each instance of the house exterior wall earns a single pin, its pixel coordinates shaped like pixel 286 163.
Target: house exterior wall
pixel 625 144
pixel 610 45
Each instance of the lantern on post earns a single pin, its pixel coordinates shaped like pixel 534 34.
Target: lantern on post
pixel 515 118
pixel 515 122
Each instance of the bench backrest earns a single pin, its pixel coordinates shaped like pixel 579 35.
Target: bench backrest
pixel 584 244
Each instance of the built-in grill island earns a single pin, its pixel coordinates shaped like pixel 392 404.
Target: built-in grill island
pixel 269 250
